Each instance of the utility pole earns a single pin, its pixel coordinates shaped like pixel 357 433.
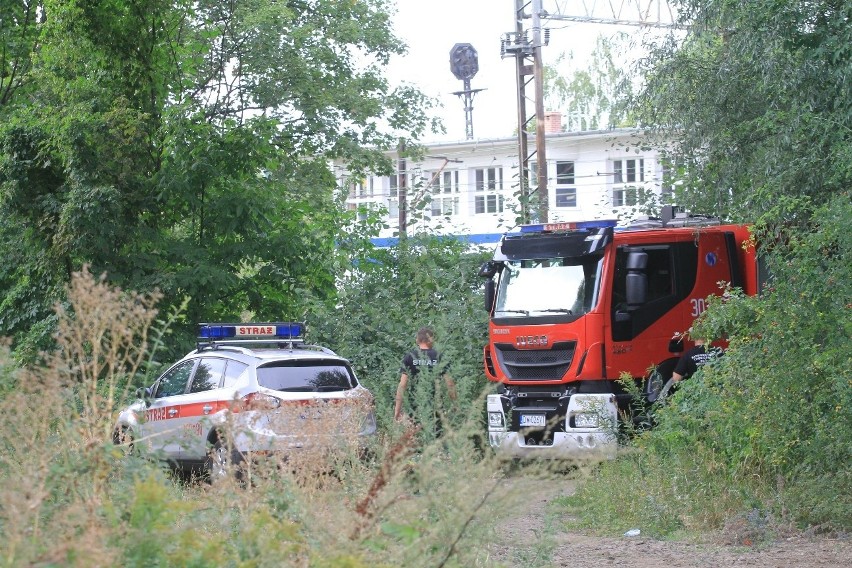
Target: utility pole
pixel 526 49
pixel 523 147
pixel 540 146
pixel 402 190
pixel 529 69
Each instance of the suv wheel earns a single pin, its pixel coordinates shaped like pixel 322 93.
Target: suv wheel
pixel 124 438
pixel 223 462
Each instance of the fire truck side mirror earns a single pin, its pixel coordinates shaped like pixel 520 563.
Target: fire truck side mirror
pixel 490 288
pixel 637 279
pixel 488 270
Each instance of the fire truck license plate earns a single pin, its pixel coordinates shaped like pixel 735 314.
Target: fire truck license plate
pixel 532 419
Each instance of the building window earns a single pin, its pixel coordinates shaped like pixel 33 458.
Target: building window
pixel 667 187
pixel 624 196
pixel 444 181
pixel 627 172
pixel 393 191
pixel 566 190
pixel 419 179
pixel 356 188
pixel 364 210
pixel 445 206
pixel 566 196
pixel 488 196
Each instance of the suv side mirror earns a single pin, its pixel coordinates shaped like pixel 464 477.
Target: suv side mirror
pixel 144 393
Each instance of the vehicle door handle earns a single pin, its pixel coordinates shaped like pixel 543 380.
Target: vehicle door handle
pixel 172 411
pixel 206 408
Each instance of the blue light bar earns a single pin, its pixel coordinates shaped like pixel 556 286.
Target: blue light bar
pixel 573 226
pixel 280 330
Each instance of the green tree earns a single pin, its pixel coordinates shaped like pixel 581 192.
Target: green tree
pixel 185 146
pixel 389 294
pixel 19 24
pixel 755 105
pixel 593 97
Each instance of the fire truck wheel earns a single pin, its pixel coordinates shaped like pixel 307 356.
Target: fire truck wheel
pixel 667 389
pixel 223 462
pixel 653 386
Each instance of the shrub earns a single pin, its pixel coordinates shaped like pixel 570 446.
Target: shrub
pixel 70 497
pixel 766 428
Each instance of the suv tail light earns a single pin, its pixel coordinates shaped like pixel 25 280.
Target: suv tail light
pixel 259 401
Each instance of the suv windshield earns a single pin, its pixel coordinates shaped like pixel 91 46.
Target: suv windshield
pixel 306 376
pixel 548 286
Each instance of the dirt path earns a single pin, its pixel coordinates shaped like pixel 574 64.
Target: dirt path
pixel 535 536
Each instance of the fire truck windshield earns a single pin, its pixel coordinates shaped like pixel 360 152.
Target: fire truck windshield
pixel 548 287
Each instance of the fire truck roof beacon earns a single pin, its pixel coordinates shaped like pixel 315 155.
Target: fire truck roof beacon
pixel 575 226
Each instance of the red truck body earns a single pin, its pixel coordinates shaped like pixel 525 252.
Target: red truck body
pixel 576 306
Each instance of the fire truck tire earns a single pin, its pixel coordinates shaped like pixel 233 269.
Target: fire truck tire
pixel 666 390
pixel 223 462
pixel 654 386
pixel 656 381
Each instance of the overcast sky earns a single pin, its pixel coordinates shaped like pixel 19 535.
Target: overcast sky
pixel 431 28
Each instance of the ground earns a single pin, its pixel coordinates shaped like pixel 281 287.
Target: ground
pixel 536 536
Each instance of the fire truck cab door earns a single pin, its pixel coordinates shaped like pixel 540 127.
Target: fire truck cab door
pixel 642 324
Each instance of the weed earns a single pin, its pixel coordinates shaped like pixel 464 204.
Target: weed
pixel 71 497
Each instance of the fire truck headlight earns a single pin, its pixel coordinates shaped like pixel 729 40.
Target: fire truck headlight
pixel 585 421
pixel 495 419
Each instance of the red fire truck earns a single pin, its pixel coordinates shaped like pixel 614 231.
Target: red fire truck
pixel 574 306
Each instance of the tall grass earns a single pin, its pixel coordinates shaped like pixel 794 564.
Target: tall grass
pixel 70 497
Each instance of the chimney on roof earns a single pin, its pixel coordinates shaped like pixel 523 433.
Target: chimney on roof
pixel 552 122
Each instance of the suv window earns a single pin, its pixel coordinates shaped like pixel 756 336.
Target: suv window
pixel 208 375
pixel 173 382
pixel 306 376
pixel 233 372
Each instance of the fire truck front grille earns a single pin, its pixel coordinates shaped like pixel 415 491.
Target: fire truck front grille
pixel 536 364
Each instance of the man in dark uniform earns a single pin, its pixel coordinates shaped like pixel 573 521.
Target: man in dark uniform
pixel 419 367
pixel 690 361
pixel 687 365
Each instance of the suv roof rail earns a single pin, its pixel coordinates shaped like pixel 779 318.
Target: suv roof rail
pixel 244 346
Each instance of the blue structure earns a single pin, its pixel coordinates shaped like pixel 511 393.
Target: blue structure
pixel 479 239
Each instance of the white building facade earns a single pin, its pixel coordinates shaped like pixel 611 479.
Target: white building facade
pixel 470 188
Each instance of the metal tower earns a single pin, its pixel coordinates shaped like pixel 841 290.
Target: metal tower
pixel 524 44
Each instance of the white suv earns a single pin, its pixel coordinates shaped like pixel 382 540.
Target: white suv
pixel 248 389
